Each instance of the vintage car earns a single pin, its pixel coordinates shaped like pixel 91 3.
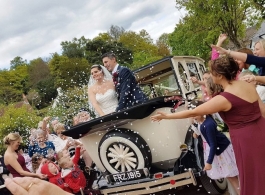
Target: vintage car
pixel 138 156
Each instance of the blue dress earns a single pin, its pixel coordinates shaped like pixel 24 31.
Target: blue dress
pixel 43 151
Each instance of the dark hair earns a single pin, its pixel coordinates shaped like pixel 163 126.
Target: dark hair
pixel 225 66
pixel 110 55
pixel 96 66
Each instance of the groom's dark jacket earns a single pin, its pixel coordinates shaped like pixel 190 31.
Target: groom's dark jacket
pixel 128 91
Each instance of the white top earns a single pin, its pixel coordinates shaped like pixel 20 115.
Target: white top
pixel 108 102
pixel 261 91
pixel 115 68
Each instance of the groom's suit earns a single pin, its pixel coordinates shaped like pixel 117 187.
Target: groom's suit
pixel 128 91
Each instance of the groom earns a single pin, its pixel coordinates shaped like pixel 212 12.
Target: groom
pixel 128 91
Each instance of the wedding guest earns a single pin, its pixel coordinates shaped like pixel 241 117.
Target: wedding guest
pixel 4 172
pixel 206 75
pixel 14 161
pixel 83 116
pixel 259 61
pixel 26 157
pixel 70 172
pixel 42 147
pixel 240 107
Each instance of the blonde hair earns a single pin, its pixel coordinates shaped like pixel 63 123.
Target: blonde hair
pixel 262 43
pixel 60 158
pixel 244 73
pixel 82 112
pixel 59 126
pixel 12 137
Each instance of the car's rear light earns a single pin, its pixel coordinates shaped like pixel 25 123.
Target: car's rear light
pixel 172 182
pixel 158 175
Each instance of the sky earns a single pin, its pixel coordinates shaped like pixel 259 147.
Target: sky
pixel 35 28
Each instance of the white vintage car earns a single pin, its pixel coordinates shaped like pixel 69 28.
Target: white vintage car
pixel 137 156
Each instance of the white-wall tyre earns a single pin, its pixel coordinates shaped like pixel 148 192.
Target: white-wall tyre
pixel 122 150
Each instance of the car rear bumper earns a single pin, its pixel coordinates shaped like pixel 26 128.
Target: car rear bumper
pixel 154 185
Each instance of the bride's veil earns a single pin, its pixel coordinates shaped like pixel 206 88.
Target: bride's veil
pixel 106 73
pixel 92 81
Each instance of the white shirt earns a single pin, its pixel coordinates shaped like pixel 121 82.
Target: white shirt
pixel 261 91
pixel 115 69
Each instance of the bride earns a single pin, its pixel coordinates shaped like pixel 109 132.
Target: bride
pixel 101 91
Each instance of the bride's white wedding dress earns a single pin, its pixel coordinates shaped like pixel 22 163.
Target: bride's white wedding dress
pixel 108 101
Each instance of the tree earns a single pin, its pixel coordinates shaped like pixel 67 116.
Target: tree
pixel 261 6
pixel 163 45
pixel 228 16
pixel 69 72
pixel 115 32
pixel 13 84
pixel 144 50
pixel 17 61
pixel 97 47
pixel 189 39
pixel 75 48
pixel 38 70
pixel 17 119
pixel 47 91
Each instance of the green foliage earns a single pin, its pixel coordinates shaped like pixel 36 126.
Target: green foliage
pixel 69 72
pixel 163 45
pixel 69 104
pixel 37 70
pixel 17 119
pixel 75 48
pixel 189 39
pixel 17 61
pixel 144 50
pixel 46 90
pixel 97 47
pixel 13 84
pixel 209 18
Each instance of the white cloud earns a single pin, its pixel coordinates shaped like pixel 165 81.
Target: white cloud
pixel 32 29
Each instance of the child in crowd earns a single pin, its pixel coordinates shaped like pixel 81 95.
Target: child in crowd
pixel 54 175
pixel 260 89
pixel 70 172
pixel 206 75
pixel 218 151
pixel 37 162
pixel 83 116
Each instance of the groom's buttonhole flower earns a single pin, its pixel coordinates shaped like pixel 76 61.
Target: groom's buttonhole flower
pixel 115 77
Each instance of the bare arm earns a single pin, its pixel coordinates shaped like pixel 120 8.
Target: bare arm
pixel 250 78
pixel 234 54
pixel 92 99
pixel 12 161
pixel 216 104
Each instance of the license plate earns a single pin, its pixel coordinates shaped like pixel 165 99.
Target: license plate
pixel 128 176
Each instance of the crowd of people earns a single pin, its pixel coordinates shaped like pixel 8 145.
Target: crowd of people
pixel 233 88
pixel 59 159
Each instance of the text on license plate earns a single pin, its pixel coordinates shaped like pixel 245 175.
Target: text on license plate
pixel 127 176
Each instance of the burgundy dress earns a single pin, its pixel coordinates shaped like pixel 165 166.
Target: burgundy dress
pixel 21 161
pixel 246 127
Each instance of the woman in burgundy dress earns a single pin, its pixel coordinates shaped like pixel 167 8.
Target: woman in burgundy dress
pixel 240 107
pixel 14 161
